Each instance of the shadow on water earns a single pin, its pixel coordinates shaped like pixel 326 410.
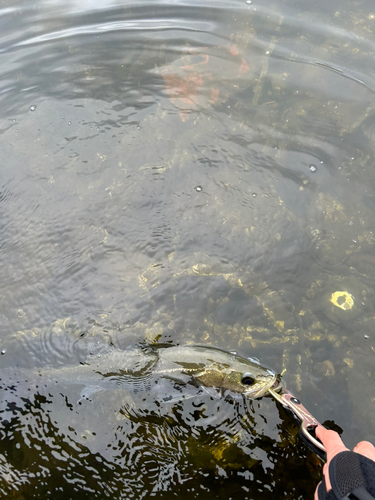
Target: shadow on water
pixel 184 173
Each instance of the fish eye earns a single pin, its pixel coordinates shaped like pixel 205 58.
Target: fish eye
pixel 247 379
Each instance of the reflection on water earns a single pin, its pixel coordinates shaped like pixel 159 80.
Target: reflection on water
pixel 112 116
pixel 188 450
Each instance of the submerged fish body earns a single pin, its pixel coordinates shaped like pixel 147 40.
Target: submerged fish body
pixel 145 370
pixel 128 368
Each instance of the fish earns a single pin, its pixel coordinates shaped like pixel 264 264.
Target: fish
pixel 216 368
pixel 145 369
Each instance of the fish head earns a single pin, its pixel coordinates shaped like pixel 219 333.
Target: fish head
pixel 249 378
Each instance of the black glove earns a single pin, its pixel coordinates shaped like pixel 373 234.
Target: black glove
pixel 352 477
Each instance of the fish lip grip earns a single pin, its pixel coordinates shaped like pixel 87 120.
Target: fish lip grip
pixel 307 422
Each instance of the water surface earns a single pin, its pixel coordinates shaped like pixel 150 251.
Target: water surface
pixel 186 172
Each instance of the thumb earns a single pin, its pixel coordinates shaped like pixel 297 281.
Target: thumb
pixel 333 444
pixel 331 440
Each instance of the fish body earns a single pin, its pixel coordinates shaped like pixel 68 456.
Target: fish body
pixel 114 367
pixel 147 369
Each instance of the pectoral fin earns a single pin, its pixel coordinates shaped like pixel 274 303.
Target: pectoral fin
pixel 179 398
pixel 88 391
pixel 204 391
pixel 212 391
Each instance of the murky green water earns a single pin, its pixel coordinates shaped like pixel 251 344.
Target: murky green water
pixel 185 172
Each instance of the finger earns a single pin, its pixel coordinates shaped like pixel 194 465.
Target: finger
pixel 365 448
pixel 331 440
pixel 316 497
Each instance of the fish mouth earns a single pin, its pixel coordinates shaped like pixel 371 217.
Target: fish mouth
pixel 275 383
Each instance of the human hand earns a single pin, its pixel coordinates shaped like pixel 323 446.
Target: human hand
pixel 334 445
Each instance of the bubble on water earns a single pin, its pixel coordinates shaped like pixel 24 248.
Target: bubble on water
pixel 321 161
pixel 3 352
pixel 139 128
pixel 69 123
pixel 367 336
pixel 248 2
pixel 351 223
pixel 313 168
pixel 268 52
pixel 14 120
pixel 254 195
pixel 198 188
pixel 33 107
pixel 20 313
